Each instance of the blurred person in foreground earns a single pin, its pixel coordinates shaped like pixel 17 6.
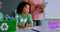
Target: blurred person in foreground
pixel 1 14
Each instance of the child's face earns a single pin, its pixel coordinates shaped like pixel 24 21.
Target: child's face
pixel 26 9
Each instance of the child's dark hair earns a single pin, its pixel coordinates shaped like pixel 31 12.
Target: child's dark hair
pixel 21 6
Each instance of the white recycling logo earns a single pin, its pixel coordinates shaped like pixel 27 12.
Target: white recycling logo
pixel 4 27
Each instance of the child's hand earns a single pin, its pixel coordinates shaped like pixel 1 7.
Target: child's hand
pixel 29 25
pixel 21 26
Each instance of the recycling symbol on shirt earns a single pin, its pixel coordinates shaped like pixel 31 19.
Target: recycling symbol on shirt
pixel 23 20
pixel 4 27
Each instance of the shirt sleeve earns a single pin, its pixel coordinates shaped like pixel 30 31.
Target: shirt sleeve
pixel 30 21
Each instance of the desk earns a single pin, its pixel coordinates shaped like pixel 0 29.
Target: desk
pixel 30 29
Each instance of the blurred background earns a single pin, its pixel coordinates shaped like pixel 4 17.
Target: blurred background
pixel 51 14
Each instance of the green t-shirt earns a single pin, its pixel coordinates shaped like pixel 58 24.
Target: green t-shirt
pixel 24 19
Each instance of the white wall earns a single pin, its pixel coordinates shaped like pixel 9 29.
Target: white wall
pixel 52 9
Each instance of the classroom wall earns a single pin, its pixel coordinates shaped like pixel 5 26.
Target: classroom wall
pixel 9 6
pixel 52 9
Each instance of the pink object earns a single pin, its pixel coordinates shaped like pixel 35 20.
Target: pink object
pixel 36 15
pixel 35 1
pixel 54 24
